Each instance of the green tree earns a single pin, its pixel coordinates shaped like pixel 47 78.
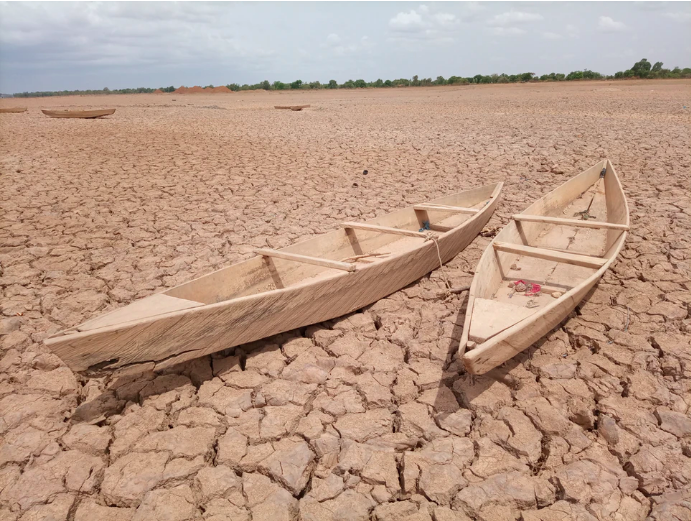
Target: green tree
pixel 296 84
pixel 350 84
pixel 642 68
pixel 388 83
pixel 333 84
pixel 657 67
pixel 265 85
pixel 279 85
pixel 360 84
pixel 234 87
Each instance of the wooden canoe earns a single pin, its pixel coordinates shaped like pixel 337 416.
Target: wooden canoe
pixel 12 110
pixel 291 107
pixel 82 114
pixel 547 244
pixel 319 279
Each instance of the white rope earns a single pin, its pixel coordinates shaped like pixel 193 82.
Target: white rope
pixel 431 237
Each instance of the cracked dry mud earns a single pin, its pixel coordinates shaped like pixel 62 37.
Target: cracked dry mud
pixel 369 416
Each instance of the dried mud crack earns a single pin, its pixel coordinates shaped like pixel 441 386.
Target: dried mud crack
pixel 369 416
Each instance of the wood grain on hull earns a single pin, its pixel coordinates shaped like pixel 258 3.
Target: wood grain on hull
pixel 188 334
pixel 493 270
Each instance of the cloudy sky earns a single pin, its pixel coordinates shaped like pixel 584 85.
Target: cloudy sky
pixel 90 45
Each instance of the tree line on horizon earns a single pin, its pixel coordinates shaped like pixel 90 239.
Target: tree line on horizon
pixel 642 69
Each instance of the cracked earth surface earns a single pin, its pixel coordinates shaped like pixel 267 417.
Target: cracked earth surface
pixel 369 416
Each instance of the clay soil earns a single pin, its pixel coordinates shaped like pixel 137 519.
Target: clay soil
pixel 369 416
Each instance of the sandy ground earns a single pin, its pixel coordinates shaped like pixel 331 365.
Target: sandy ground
pixel 370 416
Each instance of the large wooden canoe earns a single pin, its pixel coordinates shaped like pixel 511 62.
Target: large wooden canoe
pixel 12 110
pixel 291 107
pixel 319 279
pixel 549 244
pixel 83 114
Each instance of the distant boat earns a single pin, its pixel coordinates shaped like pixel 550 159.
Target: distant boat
pixel 82 114
pixel 278 290
pixel 541 265
pixel 291 107
pixel 12 110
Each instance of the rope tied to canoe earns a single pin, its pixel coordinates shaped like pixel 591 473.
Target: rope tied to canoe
pixel 429 236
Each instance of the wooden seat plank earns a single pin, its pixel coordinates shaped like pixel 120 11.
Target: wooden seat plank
pixel 337 265
pixel 569 222
pixel 443 208
pixel 383 229
pixel 551 255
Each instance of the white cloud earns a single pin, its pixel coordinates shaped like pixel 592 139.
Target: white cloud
pixel 411 21
pixel 445 18
pixel 507 31
pixel 679 16
pixel 552 36
pixel 608 25
pixel 333 39
pixel 422 24
pixel 572 31
pixel 514 17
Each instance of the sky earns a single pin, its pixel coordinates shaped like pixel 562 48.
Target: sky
pixel 92 45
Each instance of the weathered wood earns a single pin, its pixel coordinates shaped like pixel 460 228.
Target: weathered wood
pixel 12 110
pixel 496 267
pixel 491 317
pixel 79 114
pixel 542 253
pixel 383 229
pixel 254 299
pixel 579 223
pixel 336 265
pixel 443 208
pixel 291 107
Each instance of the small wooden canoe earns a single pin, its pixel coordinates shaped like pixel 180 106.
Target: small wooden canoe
pixel 549 244
pixel 319 279
pixel 12 110
pixel 292 107
pixel 82 114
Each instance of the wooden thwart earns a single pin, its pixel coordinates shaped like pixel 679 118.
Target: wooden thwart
pixel 569 222
pixel 551 255
pixel 345 266
pixel 444 208
pixel 383 229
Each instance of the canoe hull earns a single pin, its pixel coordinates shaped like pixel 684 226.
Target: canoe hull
pixel 78 114
pixel 525 332
pixel 13 110
pixel 189 334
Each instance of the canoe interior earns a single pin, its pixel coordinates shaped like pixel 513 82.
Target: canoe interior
pixel 496 306
pixel 262 274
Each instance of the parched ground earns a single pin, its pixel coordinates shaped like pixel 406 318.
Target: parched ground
pixel 369 416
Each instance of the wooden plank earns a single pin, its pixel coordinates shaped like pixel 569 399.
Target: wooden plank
pixel 440 228
pixel 569 222
pixel 383 229
pixel 443 208
pixel 336 265
pixel 491 317
pixel 541 253
pixel 139 309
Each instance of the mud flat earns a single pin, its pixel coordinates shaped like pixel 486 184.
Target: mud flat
pixel 368 416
